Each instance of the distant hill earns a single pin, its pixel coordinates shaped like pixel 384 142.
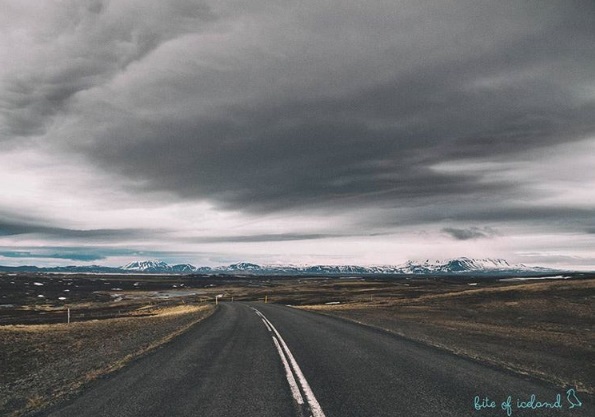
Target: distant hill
pixel 458 266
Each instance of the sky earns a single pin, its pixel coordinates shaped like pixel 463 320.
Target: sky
pixel 311 132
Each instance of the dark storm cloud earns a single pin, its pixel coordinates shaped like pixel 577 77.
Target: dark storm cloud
pixel 13 227
pixel 281 237
pixel 565 219
pixel 324 153
pixel 376 141
pixel 306 164
pixel 84 44
pixel 469 233
pixel 83 254
pixel 569 216
pixel 323 106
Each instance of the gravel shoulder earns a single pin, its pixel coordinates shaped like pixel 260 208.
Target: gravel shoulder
pixel 44 364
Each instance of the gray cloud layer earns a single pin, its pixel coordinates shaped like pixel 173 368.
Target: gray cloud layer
pixel 470 233
pixel 326 105
pixel 13 227
pixel 85 254
pixel 80 45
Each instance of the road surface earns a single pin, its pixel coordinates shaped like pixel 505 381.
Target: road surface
pixel 265 360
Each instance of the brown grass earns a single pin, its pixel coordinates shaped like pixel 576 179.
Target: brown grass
pixel 540 328
pixel 543 329
pixel 42 364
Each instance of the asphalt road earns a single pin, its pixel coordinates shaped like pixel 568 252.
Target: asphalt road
pixel 260 360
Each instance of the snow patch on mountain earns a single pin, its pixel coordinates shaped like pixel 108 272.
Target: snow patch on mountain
pixel 462 265
pixel 147 266
pixel 457 266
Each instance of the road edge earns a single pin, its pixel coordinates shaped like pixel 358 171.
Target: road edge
pixel 444 348
pixel 114 369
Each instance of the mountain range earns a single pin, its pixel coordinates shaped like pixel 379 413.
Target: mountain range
pixel 458 266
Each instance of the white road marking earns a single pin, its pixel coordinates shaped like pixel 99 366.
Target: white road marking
pixel 295 390
pixel 310 397
pixel 266 324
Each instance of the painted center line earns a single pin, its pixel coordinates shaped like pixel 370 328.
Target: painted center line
pixel 293 372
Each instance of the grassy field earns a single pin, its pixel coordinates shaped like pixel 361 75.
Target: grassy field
pixel 543 329
pixel 43 364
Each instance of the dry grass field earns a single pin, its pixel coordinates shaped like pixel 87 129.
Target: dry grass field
pixel 542 328
pixel 42 364
pixel 539 328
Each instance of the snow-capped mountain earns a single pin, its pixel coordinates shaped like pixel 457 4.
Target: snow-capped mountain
pixel 183 268
pixel 458 266
pixel 242 267
pixel 338 269
pixel 158 266
pixel 437 267
pixel 147 266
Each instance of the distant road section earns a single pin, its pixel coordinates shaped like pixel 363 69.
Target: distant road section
pixel 260 360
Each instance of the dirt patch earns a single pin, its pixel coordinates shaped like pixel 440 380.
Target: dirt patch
pixel 42 364
pixel 543 329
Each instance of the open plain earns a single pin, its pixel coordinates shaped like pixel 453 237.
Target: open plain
pixel 541 329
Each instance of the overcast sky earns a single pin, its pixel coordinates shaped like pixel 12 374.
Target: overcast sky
pixel 317 131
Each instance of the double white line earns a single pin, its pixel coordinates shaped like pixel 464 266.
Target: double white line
pixel 292 368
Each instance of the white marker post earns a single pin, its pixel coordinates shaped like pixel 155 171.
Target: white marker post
pixel 68 315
